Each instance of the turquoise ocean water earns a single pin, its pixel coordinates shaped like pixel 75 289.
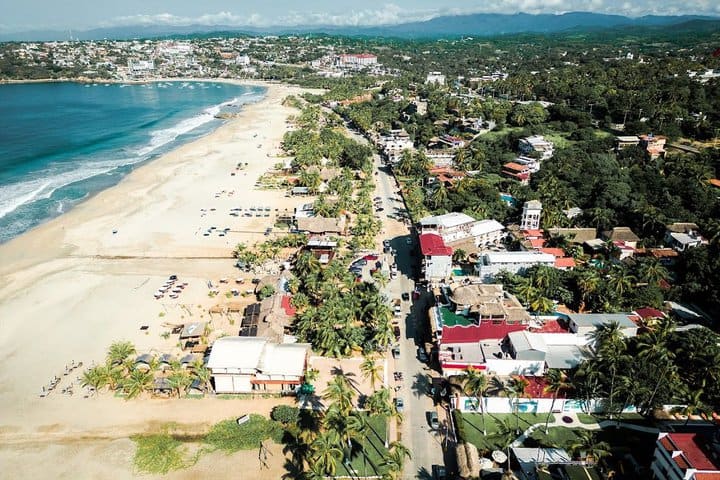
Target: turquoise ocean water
pixel 62 142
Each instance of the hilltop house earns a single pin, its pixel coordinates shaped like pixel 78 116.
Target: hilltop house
pixel 682 236
pixel 537 144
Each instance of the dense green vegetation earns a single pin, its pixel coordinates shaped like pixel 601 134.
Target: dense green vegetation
pixel 340 440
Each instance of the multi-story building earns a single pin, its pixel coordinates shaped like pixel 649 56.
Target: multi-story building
pixel 686 456
pixel 538 144
pixel 435 77
pixel 492 263
pixel 456 227
pixel 436 257
pixel 532 211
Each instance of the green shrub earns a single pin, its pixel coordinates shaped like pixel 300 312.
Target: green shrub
pixel 285 414
pixel 230 437
pixel 159 453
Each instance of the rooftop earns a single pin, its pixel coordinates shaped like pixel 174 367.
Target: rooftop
pixel 452 319
pixel 694 448
pixel 433 245
pixel 476 333
pixel 452 219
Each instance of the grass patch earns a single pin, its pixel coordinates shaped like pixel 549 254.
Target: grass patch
pixel 370 452
pixel 472 427
pixel 561 437
pixel 230 437
pixel 159 453
pixel 633 418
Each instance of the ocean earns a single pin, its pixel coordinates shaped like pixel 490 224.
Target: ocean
pixel 62 142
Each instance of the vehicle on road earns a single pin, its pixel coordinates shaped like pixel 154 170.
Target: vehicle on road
pixel 396 352
pixel 379 209
pixel 422 356
pixel 399 404
pixel 433 420
pixel 386 243
pixel 396 332
pixel 405 296
pixel 397 307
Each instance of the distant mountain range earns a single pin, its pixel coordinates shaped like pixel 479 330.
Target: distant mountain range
pixel 482 24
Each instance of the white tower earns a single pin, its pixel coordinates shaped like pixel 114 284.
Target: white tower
pixel 531 215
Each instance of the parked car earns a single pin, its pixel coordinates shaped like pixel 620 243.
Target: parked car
pixel 434 422
pixel 399 404
pixel 405 296
pixel 438 472
pixel 422 356
pixel 396 352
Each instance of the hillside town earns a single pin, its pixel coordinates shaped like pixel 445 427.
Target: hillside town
pixel 478 271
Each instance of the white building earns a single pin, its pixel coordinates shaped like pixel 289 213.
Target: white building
pixel 492 263
pixel 532 163
pixel 140 67
pixel 585 324
pixel 253 364
pixel 435 77
pixel 242 60
pixel 436 257
pixel 532 211
pixel 456 226
pixel 356 60
pixel 538 144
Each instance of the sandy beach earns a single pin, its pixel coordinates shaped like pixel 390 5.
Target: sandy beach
pixel 72 286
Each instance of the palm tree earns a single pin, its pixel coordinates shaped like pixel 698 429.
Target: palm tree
pixel 179 380
pixel 378 403
pixel 394 459
pixel 339 391
pixel 585 444
pixel 475 384
pixel 542 304
pixel 555 380
pixel 95 377
pixel 621 281
pixel 136 383
pixel 326 454
pixel 515 389
pixel 202 373
pixel 119 352
pixel 371 370
pixel 439 196
pixel 652 271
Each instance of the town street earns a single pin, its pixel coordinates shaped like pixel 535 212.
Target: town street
pixel 415 432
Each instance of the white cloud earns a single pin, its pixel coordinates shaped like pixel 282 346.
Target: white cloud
pixel 392 13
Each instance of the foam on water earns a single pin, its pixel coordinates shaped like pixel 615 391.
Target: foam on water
pixel 51 185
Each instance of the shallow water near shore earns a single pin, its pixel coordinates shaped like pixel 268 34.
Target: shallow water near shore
pixel 62 142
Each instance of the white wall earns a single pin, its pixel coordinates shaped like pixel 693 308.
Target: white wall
pixel 530 405
pixel 515 367
pixel 438 267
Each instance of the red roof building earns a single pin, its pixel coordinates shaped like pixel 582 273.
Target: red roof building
pixel 686 456
pixel 475 333
pixel 437 257
pixel 517 171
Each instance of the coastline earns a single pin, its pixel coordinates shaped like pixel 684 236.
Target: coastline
pixel 75 284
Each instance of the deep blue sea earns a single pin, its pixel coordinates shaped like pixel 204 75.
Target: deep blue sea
pixel 62 142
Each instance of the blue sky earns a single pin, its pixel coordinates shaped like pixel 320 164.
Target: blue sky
pixel 17 15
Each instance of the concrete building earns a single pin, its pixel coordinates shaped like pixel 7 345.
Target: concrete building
pixel 253 364
pixel 586 324
pixel 686 456
pixel 492 263
pixel 654 145
pixel 531 213
pixel 682 236
pixel 356 60
pixel 537 144
pixel 435 77
pixel 456 227
pixel 436 257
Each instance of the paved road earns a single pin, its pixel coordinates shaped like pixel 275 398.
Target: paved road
pixel 424 443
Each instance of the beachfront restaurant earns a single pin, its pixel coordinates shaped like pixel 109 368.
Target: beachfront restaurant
pixel 256 365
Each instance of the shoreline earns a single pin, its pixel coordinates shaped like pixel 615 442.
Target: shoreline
pixel 77 283
pixel 153 156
